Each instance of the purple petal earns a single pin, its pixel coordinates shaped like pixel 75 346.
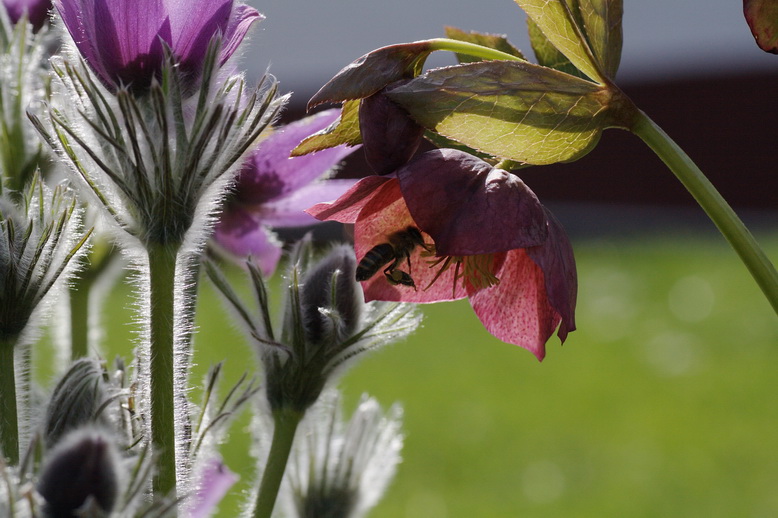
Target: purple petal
pixel 240 234
pixel 270 173
pixel 241 20
pixel 555 258
pixel 193 24
pixel 469 207
pixel 120 39
pixel 75 14
pixel 289 211
pixel 215 480
pixel 37 10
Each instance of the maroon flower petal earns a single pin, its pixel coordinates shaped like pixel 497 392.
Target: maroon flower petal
pixel 389 136
pixel 384 214
pixel 372 72
pixel 555 258
pixel 469 207
pixel 517 310
pixel 347 208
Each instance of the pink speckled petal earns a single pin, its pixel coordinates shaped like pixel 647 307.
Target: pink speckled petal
pixel 555 258
pixel 517 310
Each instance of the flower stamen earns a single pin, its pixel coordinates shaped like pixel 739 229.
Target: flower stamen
pixel 477 270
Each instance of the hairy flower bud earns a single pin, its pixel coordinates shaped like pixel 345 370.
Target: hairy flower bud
pixel 80 472
pixel 389 136
pixel 331 299
pixel 76 400
pixel 325 325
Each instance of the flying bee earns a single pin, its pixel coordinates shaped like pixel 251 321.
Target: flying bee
pixel 399 247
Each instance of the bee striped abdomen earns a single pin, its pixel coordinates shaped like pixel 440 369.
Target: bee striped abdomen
pixel 374 259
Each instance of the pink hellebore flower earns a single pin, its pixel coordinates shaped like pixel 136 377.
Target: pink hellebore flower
pixel 486 237
pixel 123 40
pixel 37 11
pixel 273 190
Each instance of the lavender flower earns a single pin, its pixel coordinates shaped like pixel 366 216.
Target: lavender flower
pixel 37 11
pixel 124 41
pixel 214 481
pixel 273 190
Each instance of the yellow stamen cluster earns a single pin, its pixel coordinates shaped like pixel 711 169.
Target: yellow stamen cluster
pixel 478 270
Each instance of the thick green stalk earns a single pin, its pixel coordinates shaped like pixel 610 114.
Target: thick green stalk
pixel 719 211
pixel 79 317
pixel 162 272
pixel 283 436
pixel 9 420
pixel 471 49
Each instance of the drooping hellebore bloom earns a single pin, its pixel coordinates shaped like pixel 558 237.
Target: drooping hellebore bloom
pixel 37 11
pixel 486 237
pixel 123 40
pixel 273 190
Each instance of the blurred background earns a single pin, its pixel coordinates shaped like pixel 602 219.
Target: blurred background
pixel 663 402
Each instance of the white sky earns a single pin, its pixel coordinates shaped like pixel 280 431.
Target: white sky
pixel 305 42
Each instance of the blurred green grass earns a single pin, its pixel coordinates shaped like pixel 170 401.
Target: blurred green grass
pixel 663 403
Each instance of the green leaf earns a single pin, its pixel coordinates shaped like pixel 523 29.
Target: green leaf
pixel 547 54
pixel 762 18
pixel 440 141
pixel 514 110
pixel 602 24
pixel 345 130
pixel 557 20
pixel 493 41
pixel 374 71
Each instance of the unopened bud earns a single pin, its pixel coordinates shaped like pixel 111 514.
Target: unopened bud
pixel 331 298
pixel 80 472
pixel 76 400
pixel 389 136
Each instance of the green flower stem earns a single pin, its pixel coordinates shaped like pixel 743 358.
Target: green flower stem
pixel 286 422
pixel 79 317
pixel 470 49
pixel 712 203
pixel 9 420
pixel 162 272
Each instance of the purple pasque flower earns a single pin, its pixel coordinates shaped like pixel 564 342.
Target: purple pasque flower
pixel 214 481
pixel 37 11
pixel 273 190
pixel 123 40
